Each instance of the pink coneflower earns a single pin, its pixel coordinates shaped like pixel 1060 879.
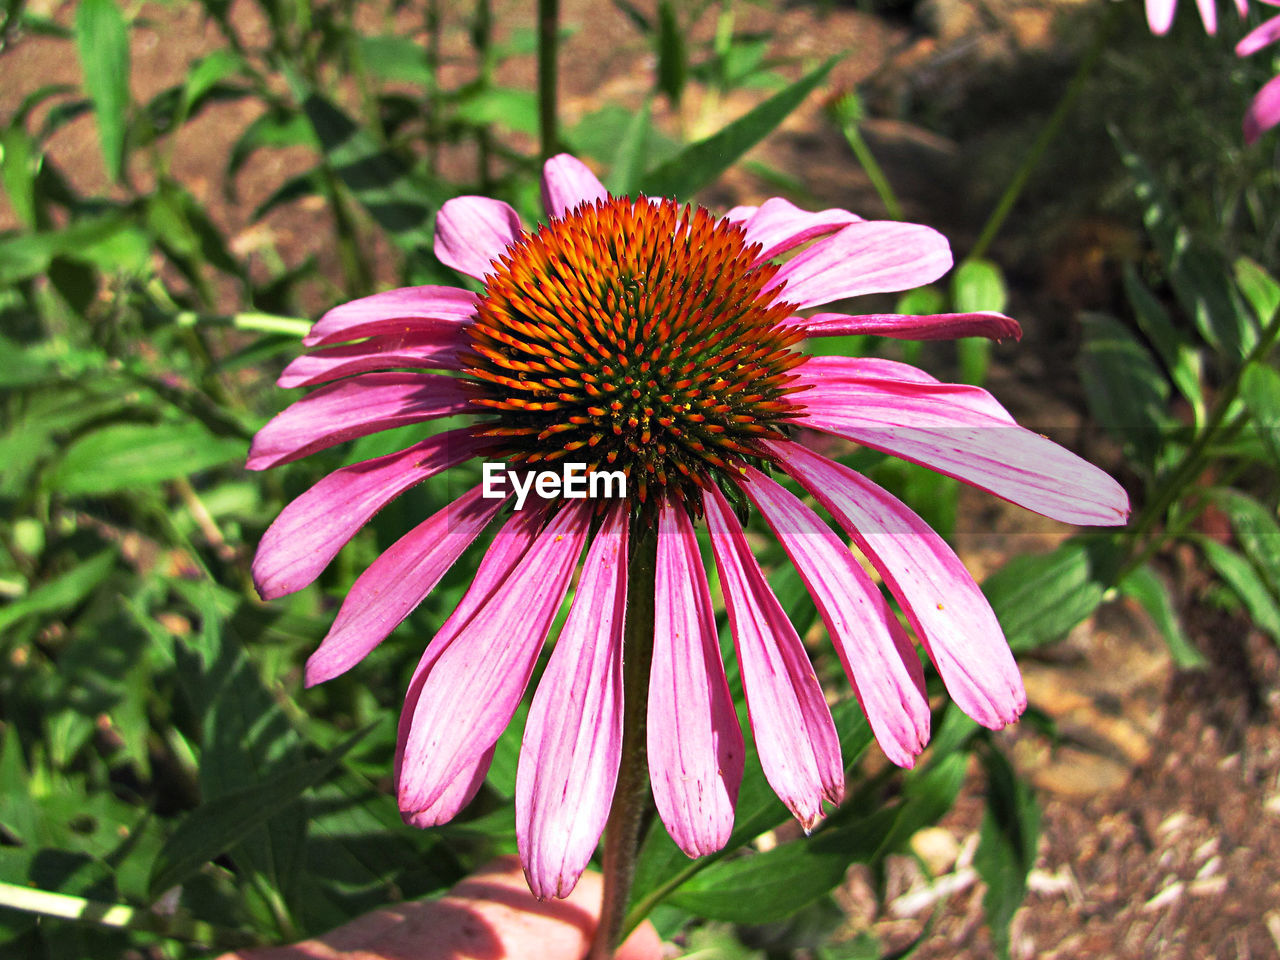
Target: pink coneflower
pixel 1264 111
pixel 1160 14
pixel 653 339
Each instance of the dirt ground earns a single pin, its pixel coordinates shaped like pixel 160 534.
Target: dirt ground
pixel 1161 798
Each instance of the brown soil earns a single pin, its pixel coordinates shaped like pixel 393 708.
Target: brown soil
pixel 1162 797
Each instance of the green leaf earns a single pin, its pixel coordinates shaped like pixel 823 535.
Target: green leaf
pixel 700 163
pixel 396 58
pixel 1198 276
pixel 672 57
pixel 1006 846
pixel 1179 356
pixel 19 163
pixel 1128 394
pixel 1245 582
pixel 1146 586
pixel 978 285
pixel 509 107
pixel 127 456
pixel 1259 288
pixel 275 128
pixel 103 42
pixel 1257 532
pixel 28 255
pixel 63 592
pixel 214 827
pixel 628 160
pixel 1039 597
pixel 1260 390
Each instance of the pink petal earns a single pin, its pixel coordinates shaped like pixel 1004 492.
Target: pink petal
pixel 430 351
pixel 504 552
pixel 695 743
pixel 779 225
pixel 835 373
pixel 311 530
pixel 397 582
pixel 1263 36
pixel 1209 15
pixel 872 256
pixel 900 326
pixel 460 791
pixel 355 408
pixel 1264 112
pixel 874 651
pixel 954 432
pixel 568 183
pixel 795 735
pixel 472 690
pixel 473 232
pixel 405 310
pixel 946 609
pixel 573 737
pixel 1160 15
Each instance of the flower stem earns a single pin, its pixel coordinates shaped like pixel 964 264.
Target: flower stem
pixel 548 44
pixel 871 167
pixel 631 795
pixel 1041 146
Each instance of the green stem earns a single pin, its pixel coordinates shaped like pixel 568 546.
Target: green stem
pixel 254 322
pixel 871 167
pixel 119 915
pixel 631 795
pixel 548 42
pixel 1050 131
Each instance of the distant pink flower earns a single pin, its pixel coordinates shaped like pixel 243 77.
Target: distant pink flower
pixel 1160 14
pixel 1264 112
pixel 654 339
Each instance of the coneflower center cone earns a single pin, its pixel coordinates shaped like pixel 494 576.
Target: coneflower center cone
pixel 635 336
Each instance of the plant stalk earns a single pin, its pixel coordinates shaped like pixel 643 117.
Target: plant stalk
pixel 548 49
pixel 631 795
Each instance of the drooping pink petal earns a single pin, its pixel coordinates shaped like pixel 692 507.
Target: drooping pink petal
pixel 573 737
pixel 902 326
pixel 311 530
pixel 874 650
pixel 471 692
pixel 472 232
pixel 779 225
pixel 567 182
pixel 950 431
pixel 695 744
pixel 404 310
pixel 836 373
pixel 395 583
pixel 1259 37
pixel 946 609
pixel 429 351
pixel 1160 15
pixel 509 544
pixel 1208 15
pixel 872 256
pixel 1264 111
pixel 355 408
pixel 794 733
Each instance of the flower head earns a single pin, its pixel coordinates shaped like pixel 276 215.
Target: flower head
pixel 657 341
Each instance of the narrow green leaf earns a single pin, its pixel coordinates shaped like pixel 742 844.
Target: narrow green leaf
pixel 27 255
pixel 1245 583
pixel 1146 586
pixel 19 163
pixel 1259 288
pixel 63 592
pixel 126 456
pixel 978 285
pixel 1006 846
pixel 701 162
pixel 220 824
pixel 672 56
pixel 1127 392
pixel 1260 390
pixel 102 39
pixel 1179 356
pixel 629 159
pixel 1039 597
pixel 1257 532
pixel 1199 277
pixel 508 107
pixel 396 58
